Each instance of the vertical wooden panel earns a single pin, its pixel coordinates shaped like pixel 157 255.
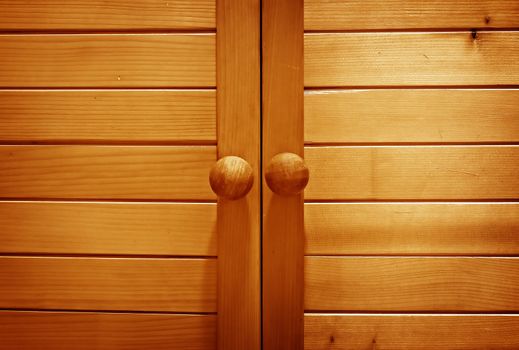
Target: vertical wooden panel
pixel 238 124
pixel 283 241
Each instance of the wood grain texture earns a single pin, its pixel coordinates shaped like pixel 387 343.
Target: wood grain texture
pixel 239 134
pixel 173 285
pixel 106 172
pixel 405 14
pixel 103 15
pixel 108 228
pixel 107 60
pixel 406 332
pixel 412 228
pixel 412 59
pixel 105 331
pixel 411 284
pixel 283 235
pixel 108 116
pixel 413 173
pixel 412 115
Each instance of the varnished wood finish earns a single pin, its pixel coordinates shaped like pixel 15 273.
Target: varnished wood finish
pixel 231 177
pixel 412 115
pixel 108 228
pixel 411 284
pixel 283 237
pixel 239 120
pixel 410 14
pixel 417 332
pixel 412 228
pixel 173 285
pixel 106 172
pixel 105 331
pixel 107 60
pixel 104 116
pixel 103 15
pixel 287 174
pixel 413 173
pixel 412 59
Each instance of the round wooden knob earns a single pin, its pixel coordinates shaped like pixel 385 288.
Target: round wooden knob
pixel 287 174
pixel 231 177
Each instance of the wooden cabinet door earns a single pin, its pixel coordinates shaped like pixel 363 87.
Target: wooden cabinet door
pixel 407 113
pixel 112 114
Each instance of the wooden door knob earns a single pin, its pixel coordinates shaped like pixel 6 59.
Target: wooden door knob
pixel 231 177
pixel 287 174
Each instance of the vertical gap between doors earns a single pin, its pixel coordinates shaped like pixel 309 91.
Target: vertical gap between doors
pixel 261 167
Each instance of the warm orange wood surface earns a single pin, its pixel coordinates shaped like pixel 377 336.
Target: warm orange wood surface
pixel 106 331
pixel 108 228
pixel 106 15
pixel 411 284
pixel 411 332
pixel 107 60
pixel 412 115
pixel 106 172
pixel 283 236
pixel 104 116
pixel 412 59
pixel 415 173
pixel 410 14
pixel 173 285
pixel 239 123
pixel 412 228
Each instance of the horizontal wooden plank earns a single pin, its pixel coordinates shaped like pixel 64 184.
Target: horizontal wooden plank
pixel 405 14
pixel 107 60
pixel 173 285
pixel 412 115
pixel 106 172
pixel 102 15
pixel 108 228
pixel 417 332
pixel 412 228
pixel 108 116
pixel 413 173
pixel 411 284
pixel 412 59
pixel 102 331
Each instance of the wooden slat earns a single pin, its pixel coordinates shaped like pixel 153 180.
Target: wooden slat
pixel 410 115
pixel 108 116
pixel 283 235
pixel 406 14
pixel 107 172
pixel 417 332
pixel 413 59
pixel 239 134
pixel 411 284
pixel 111 60
pixel 102 331
pixel 412 228
pixel 108 228
pixel 173 285
pixel 421 173
pixel 103 15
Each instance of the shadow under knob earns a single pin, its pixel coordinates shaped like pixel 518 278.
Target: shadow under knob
pixel 287 174
pixel 231 177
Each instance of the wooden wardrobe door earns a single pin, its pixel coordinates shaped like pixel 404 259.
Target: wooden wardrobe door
pixel 112 114
pixel 408 112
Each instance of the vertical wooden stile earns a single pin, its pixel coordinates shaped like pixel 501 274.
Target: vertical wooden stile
pixel 238 124
pixel 283 239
